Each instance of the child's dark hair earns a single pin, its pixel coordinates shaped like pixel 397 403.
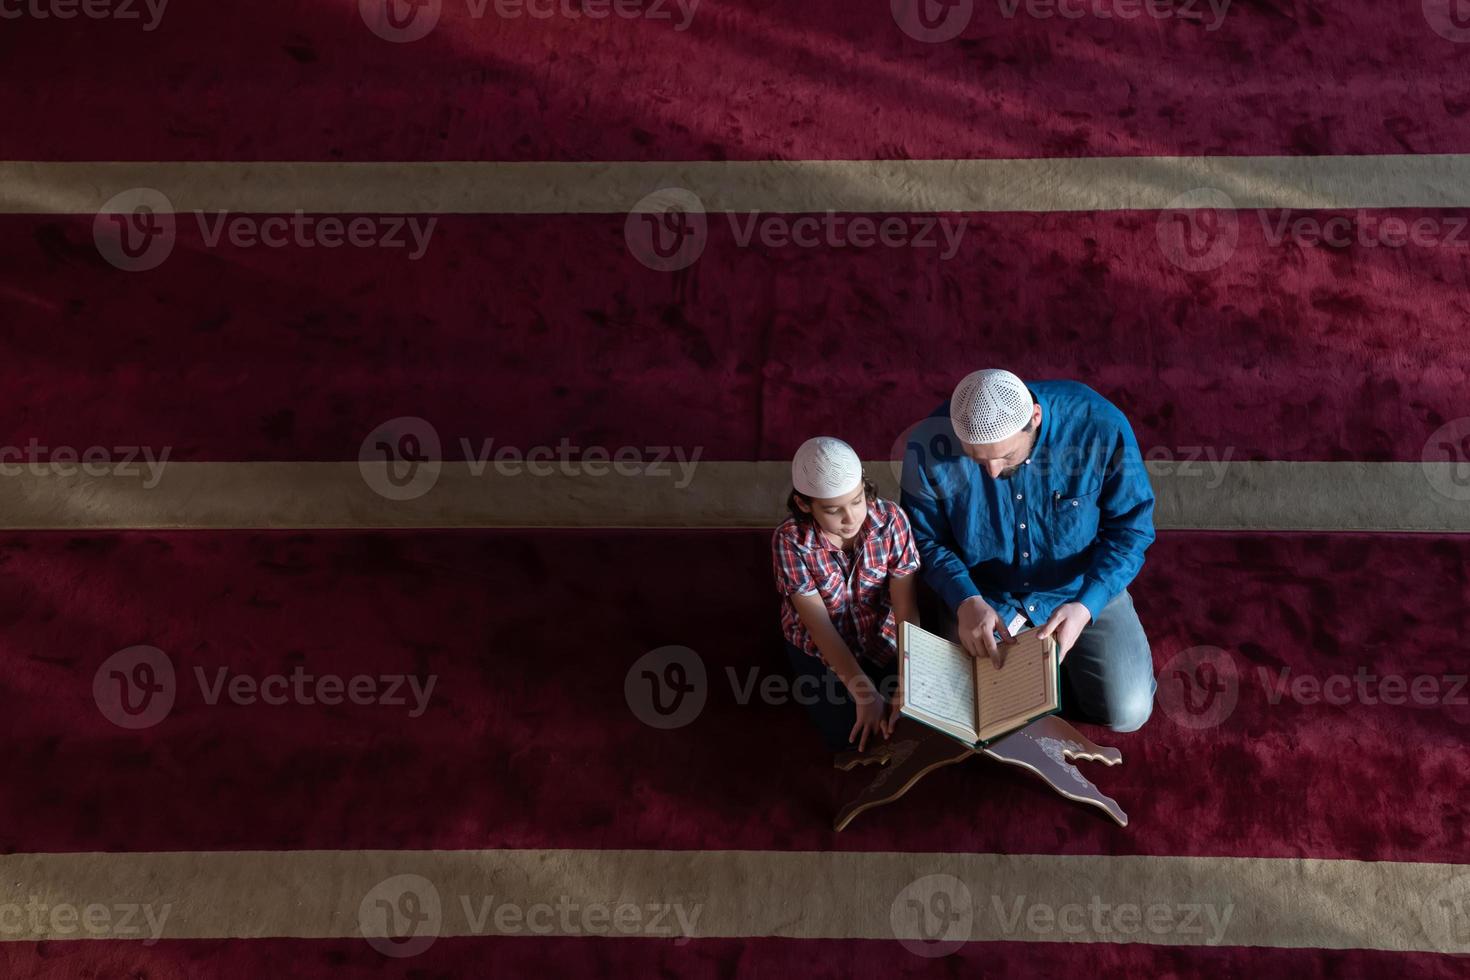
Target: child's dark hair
pixel 869 490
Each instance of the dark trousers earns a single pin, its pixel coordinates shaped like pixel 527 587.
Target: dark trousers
pixel 818 689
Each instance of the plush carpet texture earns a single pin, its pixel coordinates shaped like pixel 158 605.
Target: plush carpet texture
pixel 1302 776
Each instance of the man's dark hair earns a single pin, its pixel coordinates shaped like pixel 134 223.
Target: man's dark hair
pixel 869 490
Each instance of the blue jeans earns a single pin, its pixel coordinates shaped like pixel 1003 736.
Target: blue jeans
pixel 1108 675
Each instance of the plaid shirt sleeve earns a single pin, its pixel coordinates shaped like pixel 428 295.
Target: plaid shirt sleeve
pixel 792 575
pixel 903 556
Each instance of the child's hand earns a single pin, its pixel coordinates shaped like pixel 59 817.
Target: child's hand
pixel 870 711
pixel 894 708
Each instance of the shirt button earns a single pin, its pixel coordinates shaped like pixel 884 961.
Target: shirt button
pixel 1030 608
pixel 1023 527
pixel 1018 496
pixel 1025 583
pixel 1074 503
pixel 1026 554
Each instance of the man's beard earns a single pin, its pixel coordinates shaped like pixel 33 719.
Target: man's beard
pixel 1011 471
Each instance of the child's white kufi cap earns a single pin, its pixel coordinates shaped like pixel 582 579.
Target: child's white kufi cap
pixel 989 406
pixel 826 467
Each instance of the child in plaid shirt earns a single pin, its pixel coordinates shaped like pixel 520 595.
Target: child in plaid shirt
pixel 844 561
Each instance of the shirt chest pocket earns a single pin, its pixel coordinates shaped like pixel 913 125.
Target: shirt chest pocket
pixel 869 583
pixel 1074 517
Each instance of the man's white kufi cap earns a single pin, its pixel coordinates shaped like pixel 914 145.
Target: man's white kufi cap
pixel 826 467
pixel 989 406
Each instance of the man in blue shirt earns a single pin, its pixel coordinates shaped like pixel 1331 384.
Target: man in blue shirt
pixel 1030 504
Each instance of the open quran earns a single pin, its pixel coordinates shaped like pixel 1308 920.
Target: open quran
pixel 968 698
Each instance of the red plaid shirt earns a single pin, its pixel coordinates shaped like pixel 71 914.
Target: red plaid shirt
pixel 853 588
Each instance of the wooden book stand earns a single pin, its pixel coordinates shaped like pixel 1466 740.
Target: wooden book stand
pixel 1045 747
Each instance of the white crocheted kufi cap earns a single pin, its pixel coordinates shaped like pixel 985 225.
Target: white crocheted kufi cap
pixel 989 406
pixel 826 467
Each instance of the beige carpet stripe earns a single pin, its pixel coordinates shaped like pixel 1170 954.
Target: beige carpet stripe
pixel 1262 496
pixel 1046 184
pixel 1287 903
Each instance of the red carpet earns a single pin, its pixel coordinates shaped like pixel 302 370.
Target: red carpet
pixel 543 329
pixel 529 742
pixel 533 956
pixel 1332 354
pixel 823 79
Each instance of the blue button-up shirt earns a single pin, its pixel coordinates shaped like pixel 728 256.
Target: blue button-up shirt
pixel 1071 525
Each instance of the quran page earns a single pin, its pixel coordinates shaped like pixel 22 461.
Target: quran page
pixel 938 683
pixel 1023 689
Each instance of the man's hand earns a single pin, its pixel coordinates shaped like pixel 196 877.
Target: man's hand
pixel 870 710
pixel 1067 623
pixel 977 624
